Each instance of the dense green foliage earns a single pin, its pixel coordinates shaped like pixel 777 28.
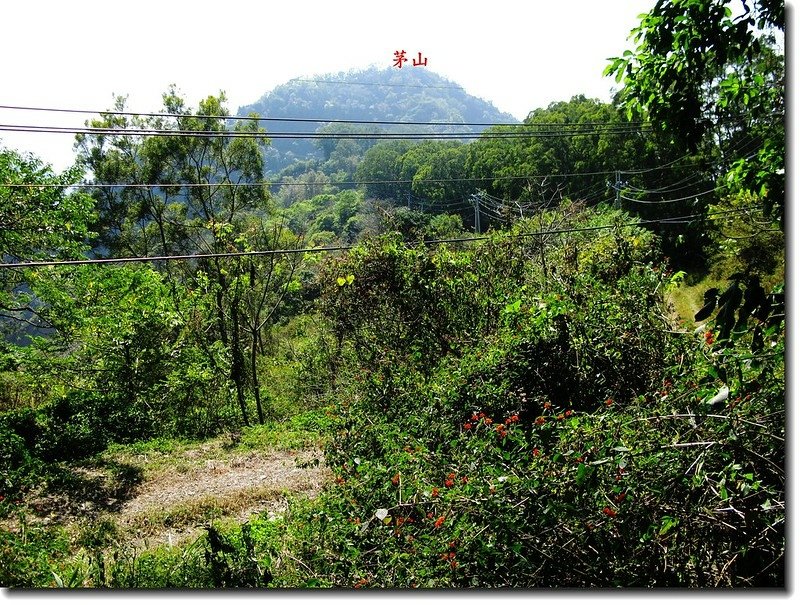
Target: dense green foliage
pixel 708 76
pixel 590 394
pixel 38 220
pixel 490 427
pixel 531 433
pixel 394 95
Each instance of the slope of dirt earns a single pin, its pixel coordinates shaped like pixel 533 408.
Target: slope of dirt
pixel 277 471
pixel 172 506
pixel 167 498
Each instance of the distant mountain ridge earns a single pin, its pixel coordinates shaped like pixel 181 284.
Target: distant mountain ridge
pixel 410 94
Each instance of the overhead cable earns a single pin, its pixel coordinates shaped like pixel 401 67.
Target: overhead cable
pixel 297 183
pixel 672 201
pixel 241 134
pixel 301 120
pixel 147 259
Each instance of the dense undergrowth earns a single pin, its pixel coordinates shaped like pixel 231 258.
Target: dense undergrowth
pixel 556 430
pixel 517 412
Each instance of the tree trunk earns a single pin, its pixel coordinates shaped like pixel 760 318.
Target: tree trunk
pixel 256 386
pixel 237 367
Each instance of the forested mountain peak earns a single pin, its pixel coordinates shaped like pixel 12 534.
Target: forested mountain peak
pixel 377 94
pixel 370 95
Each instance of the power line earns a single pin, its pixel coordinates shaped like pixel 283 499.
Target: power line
pixel 691 180
pixel 308 120
pixel 239 134
pixel 672 201
pixel 247 118
pixel 148 259
pixel 295 183
pixel 673 164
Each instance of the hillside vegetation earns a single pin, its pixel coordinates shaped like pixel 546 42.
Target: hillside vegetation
pixel 552 356
pixel 368 95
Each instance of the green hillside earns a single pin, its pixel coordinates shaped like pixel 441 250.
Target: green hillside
pixel 391 94
pixel 549 357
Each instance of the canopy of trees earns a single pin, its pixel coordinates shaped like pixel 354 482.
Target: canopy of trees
pixel 589 393
pixel 398 95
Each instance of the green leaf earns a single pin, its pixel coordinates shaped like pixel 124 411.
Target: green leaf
pixel 706 311
pixel 667 523
pixel 582 473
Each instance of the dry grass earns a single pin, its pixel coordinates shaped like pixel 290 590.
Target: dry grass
pixel 235 488
pixel 163 492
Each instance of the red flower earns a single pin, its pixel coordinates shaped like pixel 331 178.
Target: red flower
pixel 609 402
pixel 361 583
pixel 610 511
pixel 514 418
pixel 579 459
pixel 568 413
pixel 435 492
pixel 499 428
pixel 620 497
pixel 547 405
pixel 448 483
pixel 467 426
pixel 709 337
pixel 464 479
pixel 560 417
pixel 438 522
pixel 540 420
pixel 451 476
pixel 429 515
pixel 536 451
pixel 487 421
pixel 475 417
pixel 448 556
pixel 396 479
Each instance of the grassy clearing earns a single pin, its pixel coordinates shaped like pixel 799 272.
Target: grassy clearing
pixel 203 510
pixel 153 457
pixel 148 497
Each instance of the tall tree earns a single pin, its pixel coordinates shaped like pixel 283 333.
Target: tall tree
pixel 194 184
pixel 572 148
pixel 702 73
pixel 40 218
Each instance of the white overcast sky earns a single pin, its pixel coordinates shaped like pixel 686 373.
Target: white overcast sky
pixel 78 54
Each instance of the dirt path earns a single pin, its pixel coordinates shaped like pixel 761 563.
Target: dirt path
pixel 172 506
pixel 275 471
pixel 168 498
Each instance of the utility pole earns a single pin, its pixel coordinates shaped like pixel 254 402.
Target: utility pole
pixel 477 213
pixel 618 188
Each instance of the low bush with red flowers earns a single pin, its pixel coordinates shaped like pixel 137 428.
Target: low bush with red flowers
pixel 567 441
pixel 515 423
